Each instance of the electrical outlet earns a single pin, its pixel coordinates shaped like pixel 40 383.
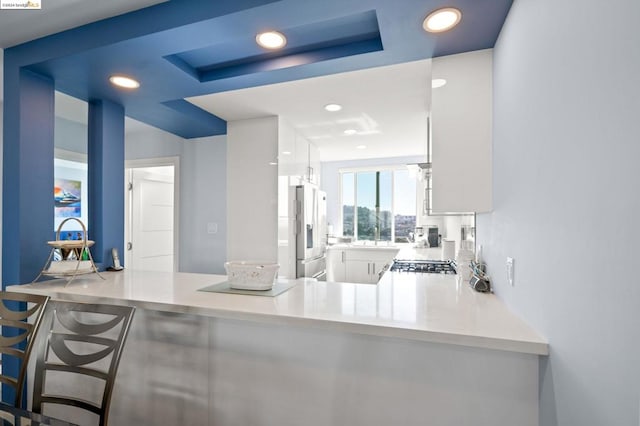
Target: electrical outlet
pixel 212 228
pixel 510 271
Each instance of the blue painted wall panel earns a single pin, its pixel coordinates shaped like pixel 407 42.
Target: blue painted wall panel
pixel 27 175
pixel 27 187
pixel 106 178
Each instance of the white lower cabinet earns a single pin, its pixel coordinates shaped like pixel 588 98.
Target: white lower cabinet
pixel 358 265
pixel 336 265
pixel 358 271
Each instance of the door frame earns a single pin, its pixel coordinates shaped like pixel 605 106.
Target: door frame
pixel 155 162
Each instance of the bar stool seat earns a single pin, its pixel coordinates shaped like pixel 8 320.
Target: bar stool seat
pixel 18 337
pixel 77 361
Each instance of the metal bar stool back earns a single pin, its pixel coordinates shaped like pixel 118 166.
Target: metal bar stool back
pixel 77 362
pixel 18 335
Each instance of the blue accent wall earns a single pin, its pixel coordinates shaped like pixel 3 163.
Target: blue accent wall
pixel 106 179
pixel 27 187
pixel 28 179
pixel 184 48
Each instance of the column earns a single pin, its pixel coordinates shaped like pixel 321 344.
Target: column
pixel 106 179
pixel 27 184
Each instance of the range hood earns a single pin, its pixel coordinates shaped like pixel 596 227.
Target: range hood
pixel 421 170
pixel 419 166
pixel 424 165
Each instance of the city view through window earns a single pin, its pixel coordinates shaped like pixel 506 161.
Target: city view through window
pixel 379 205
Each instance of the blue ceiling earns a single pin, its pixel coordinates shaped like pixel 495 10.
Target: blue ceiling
pixel 184 48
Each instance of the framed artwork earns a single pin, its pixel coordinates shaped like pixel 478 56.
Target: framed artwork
pixel 69 192
pixel 67 197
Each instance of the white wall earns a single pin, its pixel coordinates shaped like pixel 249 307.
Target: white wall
pixel 202 185
pixel 202 192
pixel 330 182
pixel 565 166
pixel 203 176
pixel 252 189
pixel 70 135
pixel 143 141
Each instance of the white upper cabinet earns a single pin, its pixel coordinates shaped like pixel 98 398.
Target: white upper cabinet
pixel 286 159
pixel 314 164
pixel 307 160
pixel 461 133
pixel 302 156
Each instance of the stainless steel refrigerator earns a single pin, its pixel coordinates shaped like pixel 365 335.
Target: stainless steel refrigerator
pixel 311 231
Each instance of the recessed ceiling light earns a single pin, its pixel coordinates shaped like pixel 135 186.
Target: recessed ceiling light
pixel 273 163
pixel 122 81
pixel 286 152
pixel 441 20
pixel 350 132
pixel 271 40
pixel 333 107
pixel 361 146
pixel 438 82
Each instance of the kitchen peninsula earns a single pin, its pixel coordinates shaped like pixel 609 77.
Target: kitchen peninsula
pixel 414 348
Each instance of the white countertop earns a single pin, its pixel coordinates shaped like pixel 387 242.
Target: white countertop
pixel 404 251
pixel 410 252
pixel 360 246
pixel 425 307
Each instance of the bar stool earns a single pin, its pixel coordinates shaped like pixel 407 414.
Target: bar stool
pixel 18 335
pixel 83 340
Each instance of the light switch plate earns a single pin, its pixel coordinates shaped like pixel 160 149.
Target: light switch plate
pixel 212 228
pixel 510 271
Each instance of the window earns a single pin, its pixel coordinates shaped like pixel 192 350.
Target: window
pixel 378 204
pixel 348 203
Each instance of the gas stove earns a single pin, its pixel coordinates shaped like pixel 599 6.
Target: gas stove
pixel 424 266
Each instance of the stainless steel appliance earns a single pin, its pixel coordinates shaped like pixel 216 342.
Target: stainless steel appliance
pixel 311 231
pixel 424 266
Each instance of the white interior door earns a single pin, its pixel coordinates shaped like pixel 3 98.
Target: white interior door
pixel 151 219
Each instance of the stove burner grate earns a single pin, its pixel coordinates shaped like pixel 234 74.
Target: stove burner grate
pixel 424 266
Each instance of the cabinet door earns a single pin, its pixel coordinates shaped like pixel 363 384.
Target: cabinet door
pixel 461 133
pixel 364 265
pixel 358 271
pixel 376 268
pixel 336 265
pixel 359 265
pixel 301 157
pixel 314 164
